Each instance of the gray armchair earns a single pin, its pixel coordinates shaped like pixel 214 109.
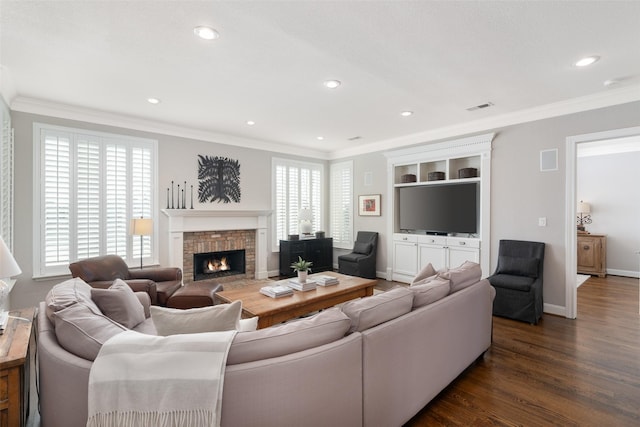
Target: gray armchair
pixel 518 280
pixel 362 260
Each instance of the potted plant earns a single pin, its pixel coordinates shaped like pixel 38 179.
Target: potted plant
pixel 303 268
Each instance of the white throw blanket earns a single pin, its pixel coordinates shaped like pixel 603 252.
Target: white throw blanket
pixel 145 380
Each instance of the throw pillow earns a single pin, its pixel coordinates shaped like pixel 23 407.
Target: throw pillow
pixel 427 272
pixel 429 291
pixel 370 311
pixel 517 266
pixel 362 248
pixel 172 321
pixel 119 303
pixel 325 327
pixel 82 331
pixel 248 325
pixel 68 293
pixel 462 277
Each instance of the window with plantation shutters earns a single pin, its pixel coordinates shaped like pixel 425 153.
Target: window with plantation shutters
pixel 89 186
pixel 341 204
pixel 296 185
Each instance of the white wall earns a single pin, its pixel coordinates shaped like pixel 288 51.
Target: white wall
pixel 520 193
pixel 177 160
pixel 610 184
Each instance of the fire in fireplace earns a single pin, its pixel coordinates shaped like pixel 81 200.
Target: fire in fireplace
pixel 210 265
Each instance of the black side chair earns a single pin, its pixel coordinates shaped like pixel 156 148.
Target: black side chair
pixel 361 261
pixel 518 280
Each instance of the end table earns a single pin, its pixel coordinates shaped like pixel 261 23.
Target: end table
pixel 14 368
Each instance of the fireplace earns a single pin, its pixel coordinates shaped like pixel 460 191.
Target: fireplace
pixel 211 265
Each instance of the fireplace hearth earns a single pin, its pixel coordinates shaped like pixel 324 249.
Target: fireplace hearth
pixel 212 265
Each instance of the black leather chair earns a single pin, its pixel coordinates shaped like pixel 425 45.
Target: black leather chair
pixel 361 261
pixel 518 280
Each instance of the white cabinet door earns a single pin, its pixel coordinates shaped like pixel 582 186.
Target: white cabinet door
pixel 434 254
pixel 405 258
pixel 457 256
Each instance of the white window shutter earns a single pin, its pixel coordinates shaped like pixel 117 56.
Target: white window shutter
pixel 341 204
pixel 90 185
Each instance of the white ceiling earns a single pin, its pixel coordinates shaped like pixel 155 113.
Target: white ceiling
pixel 103 59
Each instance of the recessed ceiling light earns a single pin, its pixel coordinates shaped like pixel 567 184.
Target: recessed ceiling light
pixel 406 113
pixel 153 101
pixel 332 84
pixel 250 122
pixel 206 33
pixel 320 138
pixel 587 61
pixel 611 82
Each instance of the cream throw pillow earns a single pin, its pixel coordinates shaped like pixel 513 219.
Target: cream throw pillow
pixel 172 321
pixel 425 273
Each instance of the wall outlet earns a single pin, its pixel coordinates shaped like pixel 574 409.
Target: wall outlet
pixel 542 221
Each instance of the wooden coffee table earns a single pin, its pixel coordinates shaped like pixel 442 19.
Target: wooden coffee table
pixel 275 310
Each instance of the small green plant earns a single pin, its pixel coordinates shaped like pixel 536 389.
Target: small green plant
pixel 301 265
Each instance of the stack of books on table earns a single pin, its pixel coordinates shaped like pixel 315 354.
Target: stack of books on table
pixel 276 291
pixel 324 280
pixel 307 285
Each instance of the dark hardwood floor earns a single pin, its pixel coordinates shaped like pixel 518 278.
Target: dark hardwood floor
pixel 561 372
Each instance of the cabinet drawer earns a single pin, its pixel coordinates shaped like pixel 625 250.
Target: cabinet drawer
pixel 399 237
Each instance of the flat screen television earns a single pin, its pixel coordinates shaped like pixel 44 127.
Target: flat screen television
pixel 440 208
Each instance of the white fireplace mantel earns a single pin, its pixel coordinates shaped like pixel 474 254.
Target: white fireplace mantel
pixel 192 220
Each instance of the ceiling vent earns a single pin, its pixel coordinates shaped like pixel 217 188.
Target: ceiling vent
pixel 354 138
pixel 481 106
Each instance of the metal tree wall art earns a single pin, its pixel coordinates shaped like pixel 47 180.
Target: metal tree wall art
pixel 219 179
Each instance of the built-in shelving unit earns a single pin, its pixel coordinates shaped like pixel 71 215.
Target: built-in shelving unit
pixel 434 164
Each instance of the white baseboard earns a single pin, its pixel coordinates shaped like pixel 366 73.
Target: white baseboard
pixel 558 310
pixel 624 273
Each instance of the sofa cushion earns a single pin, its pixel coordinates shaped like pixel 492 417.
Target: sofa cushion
pixel 461 277
pixel 429 291
pixel 362 248
pixel 426 273
pixel 508 281
pixel 370 311
pixel 221 317
pixel 517 266
pixel 120 304
pixel 66 294
pixel 325 327
pixel 82 331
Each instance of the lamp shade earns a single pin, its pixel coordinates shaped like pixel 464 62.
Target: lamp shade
pixel 306 214
pixel 8 265
pixel 141 226
pixel 583 207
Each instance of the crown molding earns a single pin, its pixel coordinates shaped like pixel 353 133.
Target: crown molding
pixel 595 101
pixel 70 112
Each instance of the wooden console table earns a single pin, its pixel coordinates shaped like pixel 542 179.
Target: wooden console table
pixel 592 254
pixel 14 368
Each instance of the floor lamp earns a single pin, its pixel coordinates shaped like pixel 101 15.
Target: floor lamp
pixel 8 267
pixel 141 227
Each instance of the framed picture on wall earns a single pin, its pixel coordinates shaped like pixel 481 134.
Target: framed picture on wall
pixel 369 205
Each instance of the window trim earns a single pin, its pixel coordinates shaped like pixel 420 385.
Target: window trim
pixel 278 161
pixel 39 270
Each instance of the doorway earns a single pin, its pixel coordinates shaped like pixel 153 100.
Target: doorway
pixel 571 202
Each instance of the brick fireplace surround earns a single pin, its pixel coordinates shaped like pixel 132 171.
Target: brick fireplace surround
pixel 199 230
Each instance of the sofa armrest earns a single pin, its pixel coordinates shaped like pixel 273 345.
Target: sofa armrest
pixel 158 274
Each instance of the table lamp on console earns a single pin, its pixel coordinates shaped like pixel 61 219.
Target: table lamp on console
pixel 8 268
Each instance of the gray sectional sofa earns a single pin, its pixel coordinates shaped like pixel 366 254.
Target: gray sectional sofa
pixel 374 362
